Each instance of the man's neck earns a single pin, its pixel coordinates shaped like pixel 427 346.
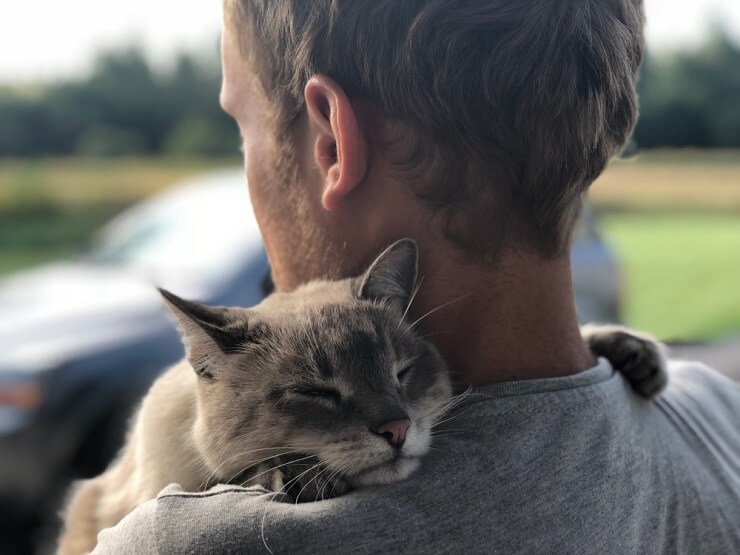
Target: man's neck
pixel 512 321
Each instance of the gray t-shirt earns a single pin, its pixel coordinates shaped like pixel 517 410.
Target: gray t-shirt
pixel 567 465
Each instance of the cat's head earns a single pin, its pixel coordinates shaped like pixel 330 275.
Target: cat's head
pixel 331 370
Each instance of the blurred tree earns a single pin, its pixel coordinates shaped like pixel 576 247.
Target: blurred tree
pixel 692 98
pixel 104 141
pixel 24 126
pixel 199 136
pixel 124 107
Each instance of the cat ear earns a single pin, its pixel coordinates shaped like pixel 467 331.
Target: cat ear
pixel 208 333
pixel 392 277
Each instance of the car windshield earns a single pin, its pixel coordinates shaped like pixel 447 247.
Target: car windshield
pixel 122 247
pixel 202 227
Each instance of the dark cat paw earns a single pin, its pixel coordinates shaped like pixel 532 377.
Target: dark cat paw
pixel 639 357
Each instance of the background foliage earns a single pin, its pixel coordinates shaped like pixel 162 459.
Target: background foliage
pixel 691 98
pixel 125 107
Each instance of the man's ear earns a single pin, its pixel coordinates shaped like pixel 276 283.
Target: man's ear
pixel 209 334
pixel 340 147
pixel 392 277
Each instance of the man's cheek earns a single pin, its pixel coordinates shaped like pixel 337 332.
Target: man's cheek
pixel 259 179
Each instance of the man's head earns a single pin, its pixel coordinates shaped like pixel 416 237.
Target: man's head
pixel 480 121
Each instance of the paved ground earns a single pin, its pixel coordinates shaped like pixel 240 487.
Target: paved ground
pixel 723 356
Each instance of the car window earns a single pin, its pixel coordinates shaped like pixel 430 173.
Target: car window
pixel 585 229
pixel 204 229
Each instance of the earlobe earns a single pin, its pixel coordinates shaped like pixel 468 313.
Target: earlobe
pixel 340 145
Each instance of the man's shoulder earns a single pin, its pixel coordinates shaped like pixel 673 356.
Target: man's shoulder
pixel 705 401
pixel 700 383
pixel 136 533
pixel 492 458
pixel 178 521
pixel 693 369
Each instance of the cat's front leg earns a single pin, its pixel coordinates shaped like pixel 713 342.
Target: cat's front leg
pixel 312 480
pixel 638 356
pixel 303 478
pixel 268 474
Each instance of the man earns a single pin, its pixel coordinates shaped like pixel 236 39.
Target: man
pixel 474 127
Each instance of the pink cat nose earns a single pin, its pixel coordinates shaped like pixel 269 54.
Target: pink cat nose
pixel 395 431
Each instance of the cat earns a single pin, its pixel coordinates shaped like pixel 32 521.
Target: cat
pixel 313 392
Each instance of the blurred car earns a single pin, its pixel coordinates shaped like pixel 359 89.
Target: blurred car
pixel 597 280
pixel 81 340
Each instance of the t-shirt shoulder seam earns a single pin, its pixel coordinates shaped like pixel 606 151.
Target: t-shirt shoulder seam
pixel 206 494
pixel 562 406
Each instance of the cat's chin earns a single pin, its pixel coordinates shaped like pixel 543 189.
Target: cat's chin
pixel 396 470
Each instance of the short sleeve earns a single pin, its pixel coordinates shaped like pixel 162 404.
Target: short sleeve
pixel 191 522
pixel 135 534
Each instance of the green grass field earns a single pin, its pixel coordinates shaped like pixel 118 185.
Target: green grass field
pixel 681 271
pixel 672 217
pixel 77 182
pixel 31 235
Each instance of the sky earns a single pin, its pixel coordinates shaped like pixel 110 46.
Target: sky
pixel 42 40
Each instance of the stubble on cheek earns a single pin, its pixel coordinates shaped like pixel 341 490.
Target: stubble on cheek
pixel 297 246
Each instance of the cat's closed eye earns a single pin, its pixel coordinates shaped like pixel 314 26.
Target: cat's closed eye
pixel 404 373
pixel 325 394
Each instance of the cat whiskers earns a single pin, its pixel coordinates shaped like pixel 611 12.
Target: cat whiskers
pixel 440 307
pixel 446 452
pixel 428 335
pixel 447 418
pixel 435 416
pixel 212 474
pixel 329 480
pixel 285 487
pixel 411 300
pixel 452 417
pixel 465 395
pixel 450 404
pixel 449 433
pixel 252 463
pixel 315 478
pixel 272 469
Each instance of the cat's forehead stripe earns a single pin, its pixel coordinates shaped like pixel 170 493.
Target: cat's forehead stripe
pixel 322 362
pixel 329 341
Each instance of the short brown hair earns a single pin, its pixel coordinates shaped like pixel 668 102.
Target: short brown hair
pixel 515 107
